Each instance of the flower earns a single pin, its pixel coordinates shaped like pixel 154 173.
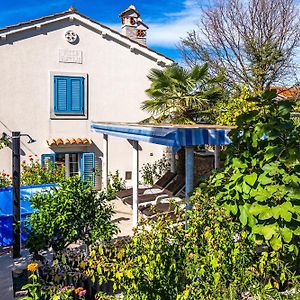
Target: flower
pixel 32 267
pixel 236 237
pixel 3 174
pixel 66 288
pixel 31 158
pixel 80 291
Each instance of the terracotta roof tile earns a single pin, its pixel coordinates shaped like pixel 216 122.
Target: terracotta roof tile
pixel 69 141
pixel 287 92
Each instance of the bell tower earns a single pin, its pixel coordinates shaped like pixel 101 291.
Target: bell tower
pixel 133 26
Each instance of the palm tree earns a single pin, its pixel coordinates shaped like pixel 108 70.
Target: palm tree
pixel 180 96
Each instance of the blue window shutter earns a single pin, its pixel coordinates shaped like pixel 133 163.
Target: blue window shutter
pixel 46 158
pixel 69 94
pixel 76 94
pixel 60 94
pixel 87 167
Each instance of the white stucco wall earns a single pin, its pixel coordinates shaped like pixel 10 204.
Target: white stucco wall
pixel 116 84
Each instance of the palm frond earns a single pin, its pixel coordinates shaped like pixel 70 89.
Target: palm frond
pixel 199 72
pixel 154 106
pixel 180 95
pixel 212 94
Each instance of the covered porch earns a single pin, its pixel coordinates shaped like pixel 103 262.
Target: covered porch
pixel 175 136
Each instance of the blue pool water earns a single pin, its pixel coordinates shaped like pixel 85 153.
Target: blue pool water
pixel 6 210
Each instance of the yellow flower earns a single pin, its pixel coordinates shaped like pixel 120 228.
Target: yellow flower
pixel 32 267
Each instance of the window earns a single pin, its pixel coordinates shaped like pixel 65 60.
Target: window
pixel 132 21
pixel 128 175
pixel 141 33
pixel 82 164
pixel 68 95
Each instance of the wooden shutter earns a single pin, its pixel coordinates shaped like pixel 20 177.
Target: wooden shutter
pixel 60 94
pixel 88 167
pixel 69 94
pixel 76 95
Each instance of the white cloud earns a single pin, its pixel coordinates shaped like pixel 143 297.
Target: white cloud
pixel 167 33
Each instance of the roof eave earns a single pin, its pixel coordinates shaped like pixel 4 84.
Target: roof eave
pixel 9 30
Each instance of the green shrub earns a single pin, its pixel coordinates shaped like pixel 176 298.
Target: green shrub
pixel 213 259
pixel 70 212
pixel 226 112
pixel 115 184
pixel 5 180
pixel 4 141
pixel 152 172
pixel 260 184
pixel 34 173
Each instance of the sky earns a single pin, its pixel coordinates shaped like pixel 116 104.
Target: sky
pixel 168 20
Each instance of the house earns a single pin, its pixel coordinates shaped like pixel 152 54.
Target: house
pixel 291 93
pixel 61 72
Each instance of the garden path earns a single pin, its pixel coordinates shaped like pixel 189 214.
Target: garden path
pixel 7 264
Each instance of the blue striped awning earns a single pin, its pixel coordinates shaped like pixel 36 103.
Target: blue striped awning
pixel 175 136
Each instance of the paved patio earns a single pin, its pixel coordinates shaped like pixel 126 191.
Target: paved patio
pixel 123 216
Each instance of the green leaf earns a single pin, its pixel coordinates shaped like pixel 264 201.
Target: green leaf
pixel 217 277
pixel 238 164
pixel 268 231
pixel 276 210
pixel 129 274
pixel 263 179
pixel 297 231
pixel 63 259
pixel 286 215
pixel 256 209
pixel 243 215
pixel 246 188
pixel 276 242
pixel 233 208
pixel 266 214
pixel 287 234
pixel 250 179
pixel 261 195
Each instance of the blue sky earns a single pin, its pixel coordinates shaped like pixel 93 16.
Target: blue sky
pixel 168 20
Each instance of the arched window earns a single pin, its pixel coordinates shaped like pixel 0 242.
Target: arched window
pixel 132 21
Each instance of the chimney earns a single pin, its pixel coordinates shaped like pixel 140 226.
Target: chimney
pixel 133 26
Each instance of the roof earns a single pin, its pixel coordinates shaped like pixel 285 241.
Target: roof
pixel 142 22
pixel 129 8
pixel 286 92
pixel 72 12
pixel 172 135
pixel 68 141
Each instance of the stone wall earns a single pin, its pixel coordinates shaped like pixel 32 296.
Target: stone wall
pixel 203 165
